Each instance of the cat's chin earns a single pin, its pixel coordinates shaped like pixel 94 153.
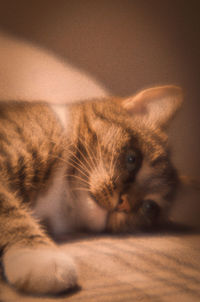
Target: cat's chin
pixel 88 214
pixel 117 222
pixel 92 217
pixel 44 270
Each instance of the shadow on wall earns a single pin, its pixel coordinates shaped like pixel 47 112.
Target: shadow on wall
pixel 142 42
pixel 125 45
pixel 33 73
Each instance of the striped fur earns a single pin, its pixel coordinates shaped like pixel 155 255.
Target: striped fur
pixel 98 165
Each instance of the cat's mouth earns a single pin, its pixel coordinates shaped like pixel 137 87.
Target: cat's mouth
pixel 145 218
pixel 147 208
pixel 130 214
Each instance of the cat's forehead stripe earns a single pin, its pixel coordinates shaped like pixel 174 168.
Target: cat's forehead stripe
pixel 87 126
pixel 151 144
pixel 111 119
pixel 121 129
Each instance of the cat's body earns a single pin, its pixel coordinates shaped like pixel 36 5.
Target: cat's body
pixel 99 165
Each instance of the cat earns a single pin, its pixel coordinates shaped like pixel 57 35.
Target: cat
pixel 99 165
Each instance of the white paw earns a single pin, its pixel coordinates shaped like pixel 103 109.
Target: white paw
pixel 39 270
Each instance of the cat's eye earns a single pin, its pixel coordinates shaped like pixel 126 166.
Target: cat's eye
pixel 131 161
pixel 150 209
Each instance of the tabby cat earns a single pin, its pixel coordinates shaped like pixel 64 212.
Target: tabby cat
pixel 99 165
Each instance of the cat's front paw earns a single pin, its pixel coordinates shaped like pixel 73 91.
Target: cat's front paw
pixel 39 270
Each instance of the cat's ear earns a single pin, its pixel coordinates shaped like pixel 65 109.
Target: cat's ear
pixel 155 106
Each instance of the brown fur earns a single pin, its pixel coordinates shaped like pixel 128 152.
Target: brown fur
pixel 107 133
pixel 101 138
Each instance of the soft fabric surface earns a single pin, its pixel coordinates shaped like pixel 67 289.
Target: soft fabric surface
pixel 135 268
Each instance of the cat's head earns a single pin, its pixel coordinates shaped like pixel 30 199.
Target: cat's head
pixel 122 156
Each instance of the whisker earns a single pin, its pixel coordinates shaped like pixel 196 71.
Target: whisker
pixel 70 152
pixel 92 152
pixel 84 157
pixel 73 164
pixel 91 163
pixel 76 157
pixel 99 150
pixel 117 177
pixel 80 189
pixel 88 153
pixel 77 177
pixel 81 168
pixel 67 162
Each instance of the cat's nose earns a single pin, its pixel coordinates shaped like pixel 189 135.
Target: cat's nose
pixel 123 204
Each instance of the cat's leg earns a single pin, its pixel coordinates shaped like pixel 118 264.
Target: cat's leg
pixel 31 261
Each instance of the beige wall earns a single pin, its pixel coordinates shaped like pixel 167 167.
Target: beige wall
pixel 124 45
